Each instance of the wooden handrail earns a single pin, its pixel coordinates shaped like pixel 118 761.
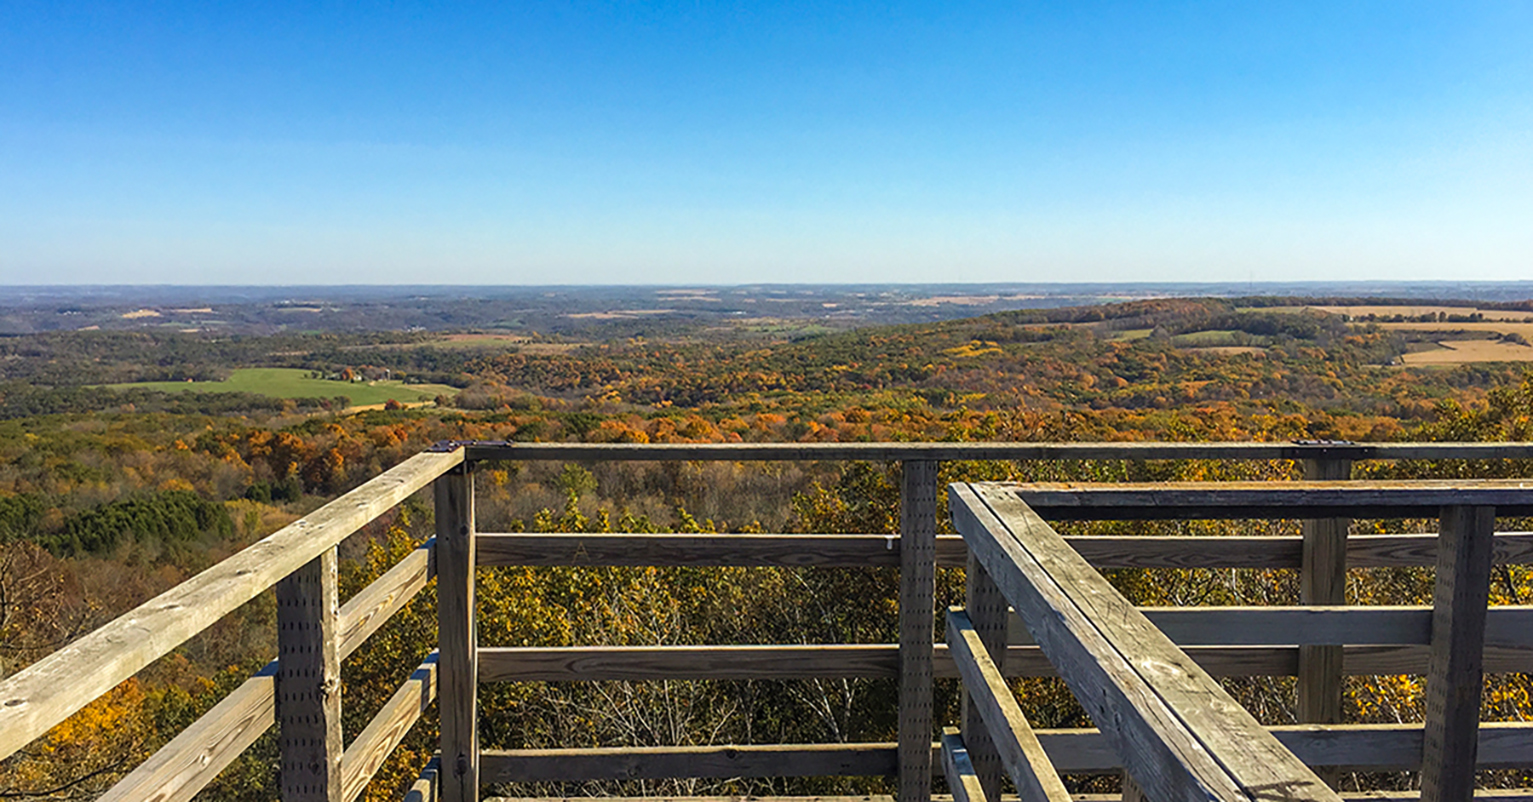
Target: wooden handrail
pixel 887 452
pixel 52 689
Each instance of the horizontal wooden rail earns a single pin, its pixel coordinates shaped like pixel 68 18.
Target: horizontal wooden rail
pixel 663 762
pixel 1507 626
pixel 1071 501
pixel 427 787
pixel 372 747
pixel 881 661
pixel 185 765
pixel 962 780
pixel 52 689
pixel 1349 747
pixel 1102 551
pixel 482 450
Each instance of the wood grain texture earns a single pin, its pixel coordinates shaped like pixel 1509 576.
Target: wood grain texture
pixel 883 452
pixel 52 689
pixel 1019 750
pixel 375 604
pixel 989 613
pixel 1233 500
pixel 1323 581
pixel 1102 551
pixel 881 661
pixel 457 681
pixel 183 767
pixel 426 788
pixel 1348 747
pixel 918 587
pixel 1508 626
pixel 664 762
pixel 1456 676
pixel 1180 735
pixel 962 781
pixel 309 683
pixel 377 741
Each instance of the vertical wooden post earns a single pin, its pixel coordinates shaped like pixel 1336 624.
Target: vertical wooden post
pixel 1323 580
pixel 918 583
pixel 309 683
pixel 457 672
pixel 1455 676
pixel 987 609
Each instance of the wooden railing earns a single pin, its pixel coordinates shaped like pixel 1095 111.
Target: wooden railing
pixel 300 691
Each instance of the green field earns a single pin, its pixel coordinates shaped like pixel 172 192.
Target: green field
pixel 295 383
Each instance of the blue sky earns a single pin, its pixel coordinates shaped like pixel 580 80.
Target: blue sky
pixel 511 143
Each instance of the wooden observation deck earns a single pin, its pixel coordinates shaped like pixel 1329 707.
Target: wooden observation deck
pixel 1035 606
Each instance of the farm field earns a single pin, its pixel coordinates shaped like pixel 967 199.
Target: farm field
pixel 1383 310
pixel 296 383
pixel 1525 329
pixel 1463 352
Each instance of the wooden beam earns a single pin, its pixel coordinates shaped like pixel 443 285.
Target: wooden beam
pixel 1458 639
pixel 1508 626
pixel 377 741
pixel 50 690
pixel 375 604
pixel 1348 747
pixel 183 767
pixel 1020 752
pixel 1323 581
pixel 1102 551
pixel 456 636
pixel 665 762
pixel 918 587
pixel 426 789
pixel 989 613
pixel 881 661
pixel 1067 501
pixel 1179 733
pixel 888 452
pixel 309 683
pixel 962 782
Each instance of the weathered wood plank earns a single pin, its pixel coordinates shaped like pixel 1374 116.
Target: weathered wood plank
pixel 881 661
pixel 50 690
pixel 375 604
pixel 1456 676
pixel 181 768
pixel 458 678
pixel 989 613
pixel 377 741
pixel 793 551
pixel 1348 747
pixel 309 683
pixel 1102 551
pixel 1180 735
pixel 664 762
pixel 1021 755
pixel 962 781
pixel 427 787
pixel 193 758
pixel 1508 626
pixel 888 452
pixel 918 588
pixel 1323 581
pixel 1231 500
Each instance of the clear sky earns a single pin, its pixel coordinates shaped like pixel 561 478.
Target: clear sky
pixel 526 142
